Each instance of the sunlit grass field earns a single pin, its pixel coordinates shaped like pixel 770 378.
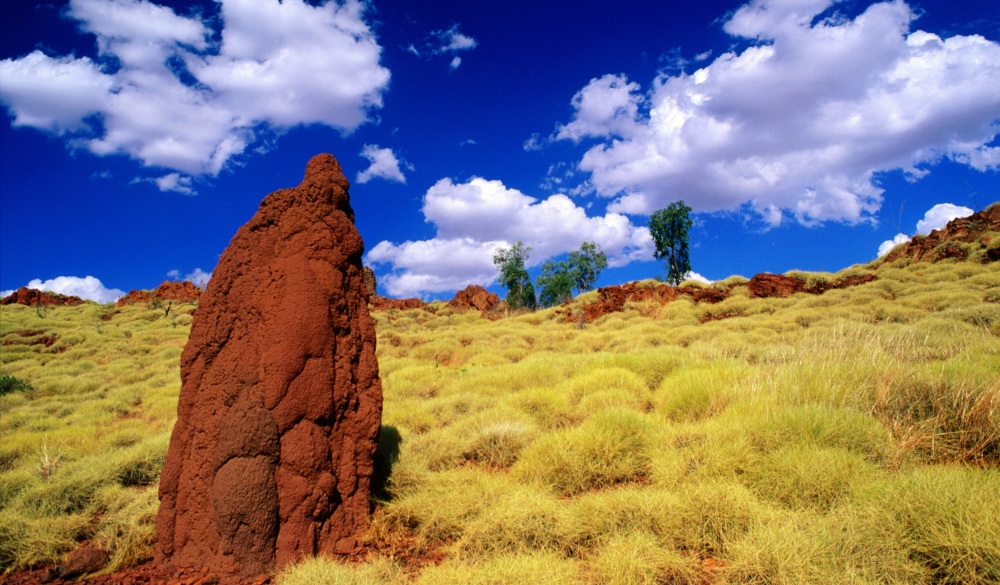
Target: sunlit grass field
pixel 851 437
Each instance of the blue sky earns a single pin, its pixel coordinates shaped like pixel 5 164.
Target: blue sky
pixel 138 136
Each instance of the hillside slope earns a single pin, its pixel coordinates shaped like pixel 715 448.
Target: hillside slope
pixel 851 436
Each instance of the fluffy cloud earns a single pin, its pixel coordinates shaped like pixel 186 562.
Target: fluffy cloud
pixel 383 164
pixel 935 218
pixel 88 288
pixel 175 182
pixel 198 277
pixel 799 123
pixel 475 218
pixel 166 93
pixel 453 41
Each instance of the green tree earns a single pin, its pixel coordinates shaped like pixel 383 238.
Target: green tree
pixel 669 228
pixel 556 283
pixel 586 265
pixel 579 271
pixel 514 276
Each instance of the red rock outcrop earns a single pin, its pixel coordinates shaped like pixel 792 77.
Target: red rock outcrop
pixel 847 282
pixel 766 285
pixel 133 297
pixel 935 246
pixel 169 290
pixel 280 406
pixel 612 299
pixel 710 295
pixel 380 303
pixel 180 291
pixel 33 296
pixel 371 285
pixel 474 297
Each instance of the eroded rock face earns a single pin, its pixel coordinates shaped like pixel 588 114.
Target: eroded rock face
pixel 474 297
pixel 380 303
pixel 280 406
pixel 371 285
pixel 935 246
pixel 169 290
pixel 766 285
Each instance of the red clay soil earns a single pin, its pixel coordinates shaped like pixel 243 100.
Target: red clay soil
pixel 964 229
pixel 31 297
pixel 271 458
pixel 474 297
pixel 169 290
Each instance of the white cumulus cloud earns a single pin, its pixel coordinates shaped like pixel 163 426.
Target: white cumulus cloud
pixel 383 164
pixel 166 92
pixel 475 218
pixel 800 122
pixel 175 182
pixel 935 218
pixel 87 288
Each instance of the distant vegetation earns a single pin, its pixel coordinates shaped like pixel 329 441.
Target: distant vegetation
pixel 848 437
pixel 512 265
pixel 670 228
pixel 579 271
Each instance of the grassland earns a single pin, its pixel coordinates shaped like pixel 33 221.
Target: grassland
pixel 850 437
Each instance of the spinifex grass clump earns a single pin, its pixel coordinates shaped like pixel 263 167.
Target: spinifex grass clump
pixel 849 437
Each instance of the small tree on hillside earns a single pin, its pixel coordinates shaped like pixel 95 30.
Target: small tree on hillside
pixel 555 283
pixel 514 276
pixel 586 265
pixel 580 271
pixel 669 228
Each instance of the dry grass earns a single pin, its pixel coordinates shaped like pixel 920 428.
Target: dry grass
pixel 845 438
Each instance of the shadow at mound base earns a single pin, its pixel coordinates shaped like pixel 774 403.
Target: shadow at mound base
pixel 386 455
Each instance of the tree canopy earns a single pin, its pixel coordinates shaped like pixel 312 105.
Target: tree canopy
pixel 669 228
pixel 514 276
pixel 579 271
pixel 586 265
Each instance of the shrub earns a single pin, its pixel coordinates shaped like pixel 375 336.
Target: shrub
pixel 9 384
